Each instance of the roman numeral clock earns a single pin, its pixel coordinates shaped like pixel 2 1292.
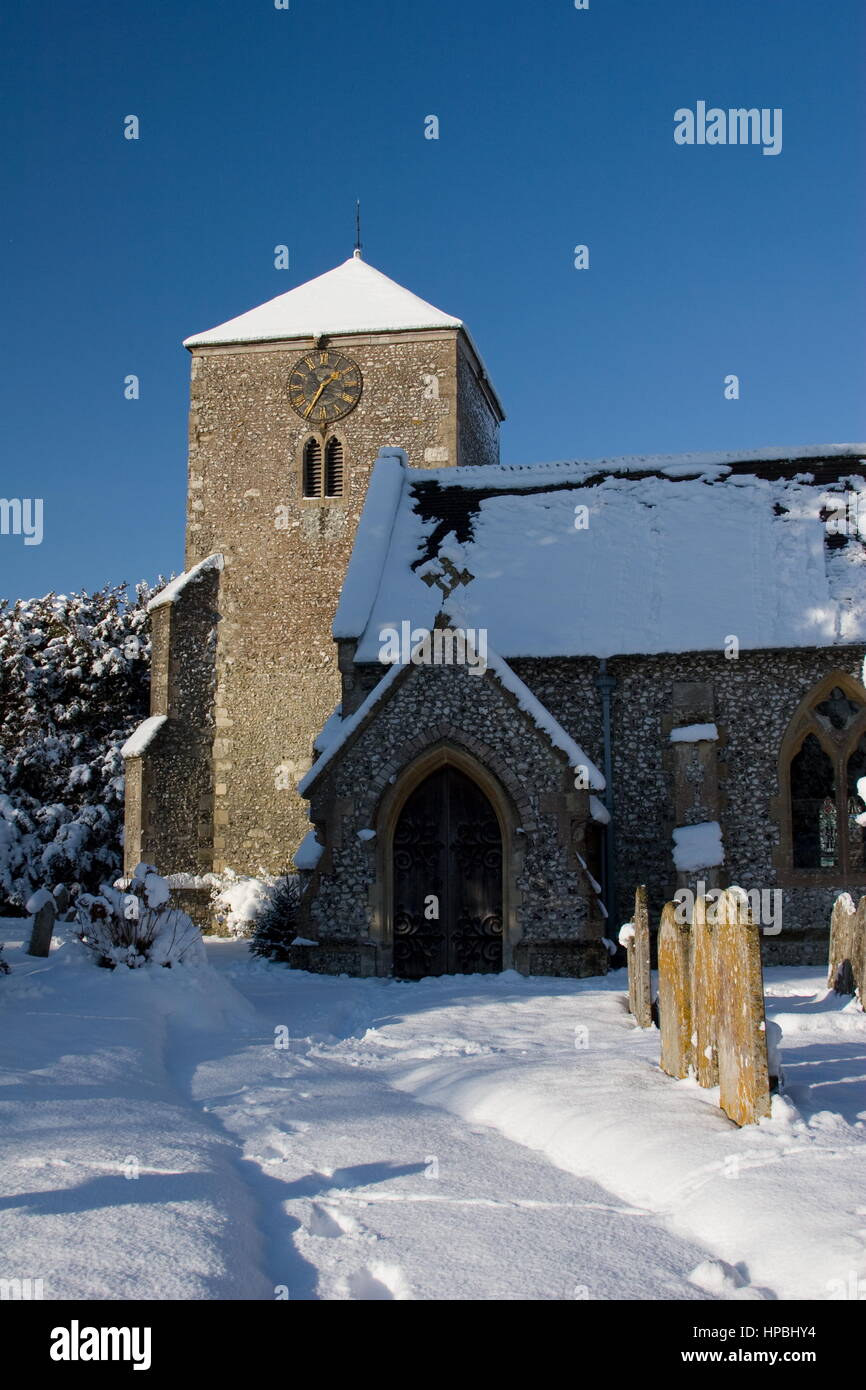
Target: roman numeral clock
pixel 324 386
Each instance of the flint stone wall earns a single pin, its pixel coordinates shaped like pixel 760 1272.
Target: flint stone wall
pixel 169 788
pixel 755 698
pixel 276 662
pixel 555 914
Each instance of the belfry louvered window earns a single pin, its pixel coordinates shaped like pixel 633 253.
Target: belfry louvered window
pixel 334 467
pixel 324 469
pixel 312 468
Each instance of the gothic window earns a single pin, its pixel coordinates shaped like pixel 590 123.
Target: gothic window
pixel 813 807
pixel 334 468
pixel 312 468
pixel 824 776
pixel 856 808
pixel 323 471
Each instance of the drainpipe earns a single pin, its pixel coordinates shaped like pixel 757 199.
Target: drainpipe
pixel 606 684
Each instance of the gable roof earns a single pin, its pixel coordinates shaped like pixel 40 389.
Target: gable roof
pixel 352 298
pixel 347 729
pixel 672 554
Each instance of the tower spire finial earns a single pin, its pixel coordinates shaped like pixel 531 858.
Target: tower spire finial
pixel 358 229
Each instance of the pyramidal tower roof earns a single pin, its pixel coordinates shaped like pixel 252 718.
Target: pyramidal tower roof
pixel 352 298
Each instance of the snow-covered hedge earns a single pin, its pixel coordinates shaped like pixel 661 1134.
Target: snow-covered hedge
pixel 239 901
pixel 133 923
pixel 74 681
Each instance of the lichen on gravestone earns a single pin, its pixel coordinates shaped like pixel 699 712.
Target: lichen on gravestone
pixel 639 961
pixel 675 994
pixel 844 944
pixel 704 992
pixel 744 1086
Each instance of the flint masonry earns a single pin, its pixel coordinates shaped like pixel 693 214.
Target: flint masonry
pixel 672 691
pixel 245 671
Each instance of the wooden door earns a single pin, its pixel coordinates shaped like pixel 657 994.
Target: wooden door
pixel 447 880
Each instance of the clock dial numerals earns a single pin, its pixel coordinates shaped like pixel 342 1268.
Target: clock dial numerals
pixel 324 386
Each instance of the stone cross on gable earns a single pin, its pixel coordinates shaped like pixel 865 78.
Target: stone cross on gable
pixel 446 576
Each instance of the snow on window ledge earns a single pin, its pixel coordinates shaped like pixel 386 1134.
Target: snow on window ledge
pixel 694 733
pixel 698 846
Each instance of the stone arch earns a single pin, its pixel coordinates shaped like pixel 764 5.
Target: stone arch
pixel 837 746
pixel 454 751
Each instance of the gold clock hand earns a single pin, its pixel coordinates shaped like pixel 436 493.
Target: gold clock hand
pixel 326 382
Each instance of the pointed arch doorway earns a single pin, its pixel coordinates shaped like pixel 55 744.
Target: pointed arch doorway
pixel 447 879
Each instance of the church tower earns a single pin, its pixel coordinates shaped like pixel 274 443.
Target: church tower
pixel 290 404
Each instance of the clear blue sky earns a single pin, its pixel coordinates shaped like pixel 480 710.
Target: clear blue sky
pixel 261 126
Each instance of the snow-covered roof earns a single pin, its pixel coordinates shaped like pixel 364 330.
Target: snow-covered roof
pixel 637 555
pixel 173 590
pixel 141 737
pixel 544 720
pixel 352 298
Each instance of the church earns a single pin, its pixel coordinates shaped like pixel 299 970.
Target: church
pixel 474 705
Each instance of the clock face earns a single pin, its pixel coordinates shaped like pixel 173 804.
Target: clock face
pixel 324 386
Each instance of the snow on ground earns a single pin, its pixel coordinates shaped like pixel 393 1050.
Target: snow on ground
pixel 469 1137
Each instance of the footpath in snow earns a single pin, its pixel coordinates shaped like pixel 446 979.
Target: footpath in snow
pixel 246 1132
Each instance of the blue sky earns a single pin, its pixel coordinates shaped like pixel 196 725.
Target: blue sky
pixel 261 126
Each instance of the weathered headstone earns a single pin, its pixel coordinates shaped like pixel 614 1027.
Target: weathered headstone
pixel 675 994
pixel 639 962
pixel 858 959
pixel 844 944
pixel 704 990
pixel 626 941
pixel 744 1087
pixel 43 909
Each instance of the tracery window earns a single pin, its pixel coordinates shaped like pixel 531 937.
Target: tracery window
pixel 824 766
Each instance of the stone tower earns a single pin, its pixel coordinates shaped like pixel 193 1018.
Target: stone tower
pixel 290 404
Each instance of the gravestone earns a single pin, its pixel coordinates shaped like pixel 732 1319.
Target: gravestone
pixel 704 990
pixel 858 959
pixel 43 908
pixel 741 1036
pixel 675 994
pixel 846 945
pixel 639 961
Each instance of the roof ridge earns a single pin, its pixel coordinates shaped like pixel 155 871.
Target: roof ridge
pixel 352 297
pixel 658 462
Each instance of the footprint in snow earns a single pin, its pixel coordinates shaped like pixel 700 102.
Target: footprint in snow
pixel 330 1222
pixel 376 1282
pixel 726 1281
